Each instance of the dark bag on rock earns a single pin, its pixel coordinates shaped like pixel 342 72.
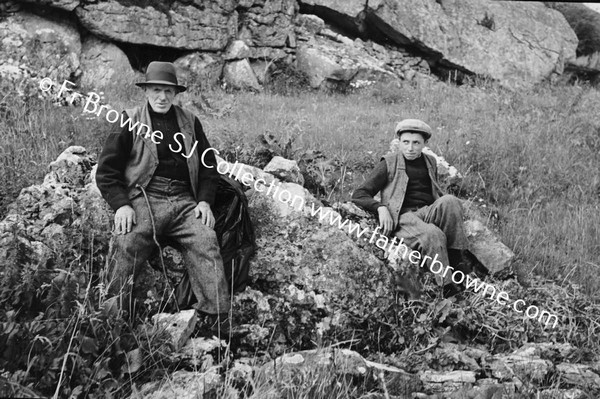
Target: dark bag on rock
pixel 235 234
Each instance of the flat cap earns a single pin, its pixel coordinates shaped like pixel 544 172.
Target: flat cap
pixel 413 126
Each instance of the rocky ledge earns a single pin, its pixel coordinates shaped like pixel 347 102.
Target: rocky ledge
pixel 320 298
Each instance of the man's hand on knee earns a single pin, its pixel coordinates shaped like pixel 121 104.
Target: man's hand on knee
pixel 124 219
pixel 386 223
pixel 203 210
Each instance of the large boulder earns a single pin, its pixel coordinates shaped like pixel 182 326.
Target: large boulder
pixel 206 25
pixel 349 14
pixel 327 62
pixel 68 5
pixel 239 75
pixel 515 43
pixel 199 70
pixel 266 23
pixel 32 46
pixel 312 281
pixel 333 60
pixel 104 64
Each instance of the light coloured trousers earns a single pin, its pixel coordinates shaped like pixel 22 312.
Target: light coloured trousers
pixel 434 229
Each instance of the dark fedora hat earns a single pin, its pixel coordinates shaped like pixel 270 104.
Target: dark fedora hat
pixel 161 73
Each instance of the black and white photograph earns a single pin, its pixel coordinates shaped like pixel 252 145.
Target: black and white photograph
pixel 299 199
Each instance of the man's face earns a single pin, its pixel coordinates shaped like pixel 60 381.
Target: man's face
pixel 411 145
pixel 160 97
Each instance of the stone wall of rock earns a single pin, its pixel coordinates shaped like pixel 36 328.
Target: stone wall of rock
pixel 514 43
pixel 333 42
pixel 33 46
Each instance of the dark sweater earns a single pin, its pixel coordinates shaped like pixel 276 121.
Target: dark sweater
pixel 418 191
pixel 115 153
pixel 170 164
pixel 378 179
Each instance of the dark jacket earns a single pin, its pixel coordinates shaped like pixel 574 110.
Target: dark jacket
pixel 129 158
pixel 390 178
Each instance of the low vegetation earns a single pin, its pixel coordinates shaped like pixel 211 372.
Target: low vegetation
pixel 531 156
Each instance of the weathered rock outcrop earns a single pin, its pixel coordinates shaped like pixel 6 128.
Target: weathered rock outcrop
pixel 206 25
pixel 515 43
pixel 35 46
pixel 104 64
pixel 329 58
pixel 199 70
pixel 240 75
pixel 584 22
pixel 311 282
pixel 469 373
pixel 266 23
pixel 68 5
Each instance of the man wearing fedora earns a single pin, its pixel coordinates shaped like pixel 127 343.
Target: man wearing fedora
pixel 412 205
pixel 160 190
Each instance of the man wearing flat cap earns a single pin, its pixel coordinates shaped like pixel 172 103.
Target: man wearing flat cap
pixel 151 175
pixel 412 205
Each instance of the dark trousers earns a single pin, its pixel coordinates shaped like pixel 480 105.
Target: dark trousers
pixel 172 207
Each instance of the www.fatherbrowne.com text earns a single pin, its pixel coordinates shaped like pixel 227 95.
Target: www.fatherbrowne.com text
pixel 393 246
pixel 92 105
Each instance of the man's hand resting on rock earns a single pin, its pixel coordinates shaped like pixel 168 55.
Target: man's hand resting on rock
pixel 203 210
pixel 124 219
pixel 386 223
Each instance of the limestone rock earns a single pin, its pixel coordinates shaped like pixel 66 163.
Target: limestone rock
pixel 522 366
pixel 198 346
pixel 325 61
pixel 579 375
pixel 343 362
pixel 239 75
pixel 206 25
pixel 487 247
pixel 199 71
pixel 261 70
pixel 32 46
pixel 573 393
pixel 268 53
pixel 252 335
pixel 347 13
pixel 104 65
pixel 446 381
pixel 546 350
pixel 267 23
pixel 237 50
pixel 285 169
pixel 309 282
pixel 201 352
pixel 515 43
pixel 72 167
pixel 316 65
pixel 311 23
pixel 180 325
pixel 68 5
pixel 182 384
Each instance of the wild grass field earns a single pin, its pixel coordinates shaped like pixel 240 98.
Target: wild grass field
pixel 531 156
